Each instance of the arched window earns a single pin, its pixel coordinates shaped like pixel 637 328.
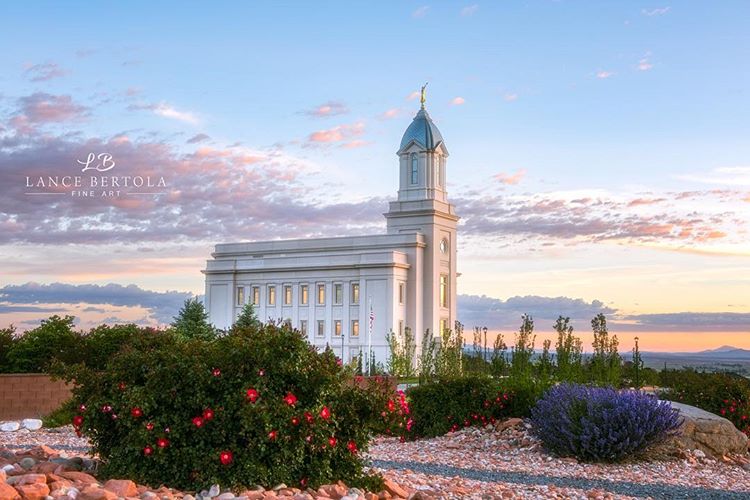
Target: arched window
pixel 414 171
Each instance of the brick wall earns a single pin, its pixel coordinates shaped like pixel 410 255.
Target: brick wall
pixel 30 395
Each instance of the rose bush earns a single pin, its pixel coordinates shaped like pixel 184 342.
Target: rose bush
pixel 258 406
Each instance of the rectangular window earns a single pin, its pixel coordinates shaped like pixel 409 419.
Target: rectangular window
pixel 321 328
pixel 337 328
pixel 443 326
pixel 443 290
pixel 303 327
pixel 321 294
pixel 338 294
pixel 271 295
pixel 355 293
pixel 256 295
pixel 240 295
pixel 401 293
pixel 355 328
pixel 303 294
pixel 287 295
pixel 414 169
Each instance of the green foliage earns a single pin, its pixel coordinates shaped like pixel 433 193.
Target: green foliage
pixel 54 339
pixel 61 416
pixel 445 405
pixel 192 322
pixel 7 340
pixel 569 352
pixel 450 353
pixel 637 366
pixel 247 318
pixel 156 388
pixel 606 364
pixel 523 350
pixel 428 358
pixel 724 394
pixel 499 362
pixel 402 353
pixel 545 364
pixel 104 341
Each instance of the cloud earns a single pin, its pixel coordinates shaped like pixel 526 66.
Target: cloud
pixel 198 138
pixel 167 111
pixel 41 107
pixel 330 108
pixel 413 96
pixel 644 64
pixel 730 176
pixel 510 179
pixel 420 12
pixel 390 114
pixel 510 97
pixel 690 321
pixel 44 72
pixel 162 305
pixel 660 11
pixel 457 101
pixel 469 10
pixel 357 143
pixel 338 133
pixel 602 74
pixel 495 313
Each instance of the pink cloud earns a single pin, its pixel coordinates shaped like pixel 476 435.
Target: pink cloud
pixel 602 74
pixel 389 114
pixel 412 96
pixel 44 72
pixel 330 108
pixel 338 133
pixel 510 97
pixel 457 101
pixel 41 107
pixel 511 179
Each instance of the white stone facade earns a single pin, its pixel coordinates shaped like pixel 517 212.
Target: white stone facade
pixel 330 287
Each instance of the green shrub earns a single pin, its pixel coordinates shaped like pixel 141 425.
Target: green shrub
pixel 61 416
pixel 258 406
pixel 7 340
pixel 442 406
pixel 103 342
pixel 36 349
pixel 724 394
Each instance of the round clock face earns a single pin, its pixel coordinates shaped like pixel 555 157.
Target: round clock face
pixel 444 246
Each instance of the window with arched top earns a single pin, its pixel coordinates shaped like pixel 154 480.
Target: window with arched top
pixel 414 169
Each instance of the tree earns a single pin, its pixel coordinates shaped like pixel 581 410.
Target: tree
pixel 605 361
pixel 523 350
pixel 498 362
pixel 7 340
pixel 637 366
pixel 247 320
pixel 569 351
pixel 545 361
pixel 401 354
pixel 192 322
pixel 428 357
pixel 36 349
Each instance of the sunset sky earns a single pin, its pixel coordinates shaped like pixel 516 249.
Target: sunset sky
pixel 599 151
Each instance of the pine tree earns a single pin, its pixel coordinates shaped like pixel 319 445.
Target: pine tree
pixel 192 322
pixel 247 320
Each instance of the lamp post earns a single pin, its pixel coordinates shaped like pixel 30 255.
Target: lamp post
pixel 485 345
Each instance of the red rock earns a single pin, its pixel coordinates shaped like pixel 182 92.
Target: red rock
pixel 122 487
pixel 253 494
pixel 33 491
pixel 394 489
pixel 8 492
pixel 45 467
pixel 370 496
pixel 59 484
pixel 27 479
pixel 78 476
pixel 384 495
pixel 3 476
pixel 95 493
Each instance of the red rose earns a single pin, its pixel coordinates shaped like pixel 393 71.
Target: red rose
pixel 295 421
pixel 351 446
pixel 308 439
pixel 121 386
pixel 303 482
pixel 309 417
pixel 77 420
pixel 325 413
pixel 226 457
pixel 332 441
pixel 252 395
pixel 208 414
pixel 136 412
pixel 82 408
pixel 106 408
pixel 149 426
pixel 148 450
pixel 391 405
pixel 272 435
pixel 261 372
pixel 290 399
pixel 162 442
pixel 215 372
pixel 198 422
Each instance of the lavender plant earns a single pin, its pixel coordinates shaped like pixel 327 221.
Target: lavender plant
pixel 601 424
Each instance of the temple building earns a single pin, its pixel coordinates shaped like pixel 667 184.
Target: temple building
pixel 350 292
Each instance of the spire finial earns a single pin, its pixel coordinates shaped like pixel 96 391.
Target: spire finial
pixel 423 98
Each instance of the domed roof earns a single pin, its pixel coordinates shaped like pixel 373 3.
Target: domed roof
pixel 422 131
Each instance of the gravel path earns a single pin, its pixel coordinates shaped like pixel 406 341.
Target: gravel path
pixel 631 489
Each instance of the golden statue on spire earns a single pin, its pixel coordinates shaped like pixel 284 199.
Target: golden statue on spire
pixel 423 98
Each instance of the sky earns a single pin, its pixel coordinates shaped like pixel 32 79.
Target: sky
pixel 599 152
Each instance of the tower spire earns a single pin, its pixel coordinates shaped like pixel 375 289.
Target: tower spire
pixel 423 97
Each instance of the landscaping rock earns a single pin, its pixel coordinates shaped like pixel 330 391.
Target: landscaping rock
pixel 394 489
pixel 122 487
pixel 32 424
pixel 33 491
pixel 10 426
pixel 714 435
pixel 27 463
pixel 8 492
